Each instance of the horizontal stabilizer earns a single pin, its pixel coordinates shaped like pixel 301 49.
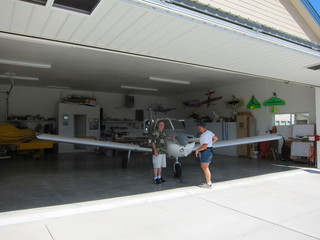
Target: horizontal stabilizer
pixel 91 142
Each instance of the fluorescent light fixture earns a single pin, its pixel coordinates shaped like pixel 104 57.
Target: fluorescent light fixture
pixel 59 87
pixel 169 80
pixel 19 77
pixel 139 88
pixel 25 64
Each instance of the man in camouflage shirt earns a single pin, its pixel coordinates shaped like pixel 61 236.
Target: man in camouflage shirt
pixel 159 148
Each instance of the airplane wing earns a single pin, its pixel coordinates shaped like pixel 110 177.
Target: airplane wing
pixel 91 142
pixel 239 141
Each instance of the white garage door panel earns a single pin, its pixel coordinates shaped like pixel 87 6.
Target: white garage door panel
pixel 6 11
pixel 124 22
pixel 91 22
pixel 152 29
pixel 71 24
pixel 108 22
pixel 164 45
pixel 21 17
pixel 38 21
pixel 54 24
pixel 145 20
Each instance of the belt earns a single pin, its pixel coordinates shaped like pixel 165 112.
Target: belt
pixel 209 148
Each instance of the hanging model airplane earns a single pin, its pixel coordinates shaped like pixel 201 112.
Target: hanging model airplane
pixel 161 109
pixel 197 103
pixel 183 145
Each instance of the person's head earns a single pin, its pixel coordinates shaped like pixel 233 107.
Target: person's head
pixel 160 125
pixel 202 126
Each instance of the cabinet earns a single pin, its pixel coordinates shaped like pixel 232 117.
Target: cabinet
pixel 302 151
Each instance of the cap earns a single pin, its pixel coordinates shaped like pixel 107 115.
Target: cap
pixel 202 124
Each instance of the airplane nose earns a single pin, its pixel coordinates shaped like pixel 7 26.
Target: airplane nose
pixel 182 139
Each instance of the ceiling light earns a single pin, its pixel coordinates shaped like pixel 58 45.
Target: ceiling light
pixel 19 77
pixel 24 64
pixel 169 80
pixel 139 88
pixel 59 87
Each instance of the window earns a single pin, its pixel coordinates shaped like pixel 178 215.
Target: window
pixel 289 119
pixel 82 6
pixel 39 2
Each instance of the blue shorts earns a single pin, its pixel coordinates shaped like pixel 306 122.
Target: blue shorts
pixel 206 156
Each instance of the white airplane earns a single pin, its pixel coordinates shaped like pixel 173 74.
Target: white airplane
pixel 183 145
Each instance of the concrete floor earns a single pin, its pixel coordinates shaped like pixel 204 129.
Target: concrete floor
pixel 251 199
pixel 58 179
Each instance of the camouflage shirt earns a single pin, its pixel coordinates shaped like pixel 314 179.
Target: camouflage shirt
pixel 160 140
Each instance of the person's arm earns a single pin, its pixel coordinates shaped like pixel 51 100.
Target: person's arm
pixel 214 139
pixel 155 151
pixel 171 138
pixel 203 147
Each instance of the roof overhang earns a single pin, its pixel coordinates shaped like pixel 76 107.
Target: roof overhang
pixel 172 41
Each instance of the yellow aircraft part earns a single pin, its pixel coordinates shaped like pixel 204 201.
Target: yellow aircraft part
pixel 24 139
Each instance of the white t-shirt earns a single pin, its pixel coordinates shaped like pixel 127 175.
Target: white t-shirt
pixel 206 138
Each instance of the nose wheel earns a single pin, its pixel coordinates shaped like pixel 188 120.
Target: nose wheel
pixel 177 168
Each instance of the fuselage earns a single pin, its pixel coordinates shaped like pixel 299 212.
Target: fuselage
pixel 180 147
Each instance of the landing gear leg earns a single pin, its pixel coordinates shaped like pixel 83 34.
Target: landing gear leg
pixel 125 160
pixel 177 169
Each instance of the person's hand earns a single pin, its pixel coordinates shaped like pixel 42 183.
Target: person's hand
pixel 197 153
pixel 156 154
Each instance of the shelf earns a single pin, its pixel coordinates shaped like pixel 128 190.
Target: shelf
pixel 120 122
pixel 32 121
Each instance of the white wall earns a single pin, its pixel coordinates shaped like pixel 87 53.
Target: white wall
pixel 298 98
pixel 43 101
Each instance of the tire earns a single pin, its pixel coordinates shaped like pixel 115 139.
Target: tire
pixel 177 170
pixel 124 162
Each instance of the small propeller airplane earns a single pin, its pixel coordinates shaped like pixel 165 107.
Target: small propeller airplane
pixel 197 103
pixel 183 145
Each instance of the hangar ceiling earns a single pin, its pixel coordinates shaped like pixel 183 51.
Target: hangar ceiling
pixel 125 42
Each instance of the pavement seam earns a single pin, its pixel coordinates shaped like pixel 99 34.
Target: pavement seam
pixel 258 218
pixel 49 231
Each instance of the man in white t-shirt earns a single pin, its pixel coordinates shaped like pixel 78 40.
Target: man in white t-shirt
pixel 205 152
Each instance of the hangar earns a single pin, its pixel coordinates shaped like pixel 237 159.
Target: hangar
pixel 64 67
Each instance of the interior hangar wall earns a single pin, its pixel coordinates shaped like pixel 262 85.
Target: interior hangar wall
pixel 43 101
pixel 299 99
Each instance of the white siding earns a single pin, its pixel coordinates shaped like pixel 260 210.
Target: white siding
pixel 278 14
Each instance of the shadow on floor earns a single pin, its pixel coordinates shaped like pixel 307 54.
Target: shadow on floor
pixel 57 179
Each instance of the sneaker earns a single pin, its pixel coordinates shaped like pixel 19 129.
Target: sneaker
pixel 162 180
pixel 157 181
pixel 205 185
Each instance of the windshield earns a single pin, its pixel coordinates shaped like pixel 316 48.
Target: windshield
pixel 177 124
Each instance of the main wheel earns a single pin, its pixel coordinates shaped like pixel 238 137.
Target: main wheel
pixel 124 162
pixel 177 170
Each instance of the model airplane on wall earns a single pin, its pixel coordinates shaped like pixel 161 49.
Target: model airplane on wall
pixel 183 145
pixel 197 103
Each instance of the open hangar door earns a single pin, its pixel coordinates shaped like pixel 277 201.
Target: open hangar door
pixel 99 63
